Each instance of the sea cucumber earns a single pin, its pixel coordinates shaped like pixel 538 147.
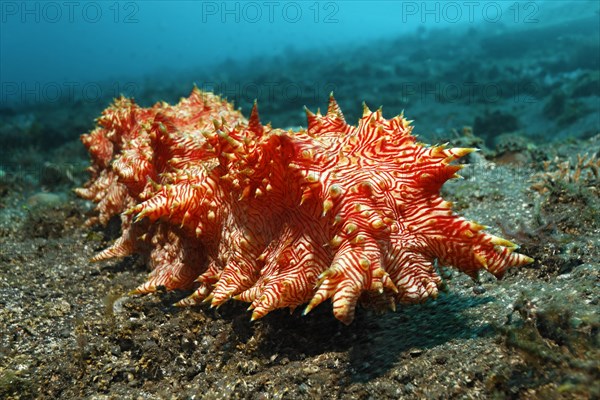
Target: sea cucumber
pixel 230 208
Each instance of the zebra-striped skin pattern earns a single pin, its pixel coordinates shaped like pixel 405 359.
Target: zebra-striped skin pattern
pixel 230 208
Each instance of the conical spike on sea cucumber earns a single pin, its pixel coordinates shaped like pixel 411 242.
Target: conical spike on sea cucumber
pixel 254 121
pixel 333 109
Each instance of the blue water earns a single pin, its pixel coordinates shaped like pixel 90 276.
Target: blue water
pixel 532 65
pixel 60 41
pixel 62 45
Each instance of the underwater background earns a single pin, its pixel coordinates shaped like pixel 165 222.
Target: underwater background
pixel 519 80
pixel 526 66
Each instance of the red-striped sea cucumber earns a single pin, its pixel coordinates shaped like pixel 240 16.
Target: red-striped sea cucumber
pixel 230 208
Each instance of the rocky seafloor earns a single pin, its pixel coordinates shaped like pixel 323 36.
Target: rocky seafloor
pixel 68 329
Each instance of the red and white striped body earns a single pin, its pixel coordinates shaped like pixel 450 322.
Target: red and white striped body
pixel 231 208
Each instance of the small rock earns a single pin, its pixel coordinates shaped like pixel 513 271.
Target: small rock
pixel 44 199
pixel 115 351
pixel 416 352
pixel 409 388
pixel 478 289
